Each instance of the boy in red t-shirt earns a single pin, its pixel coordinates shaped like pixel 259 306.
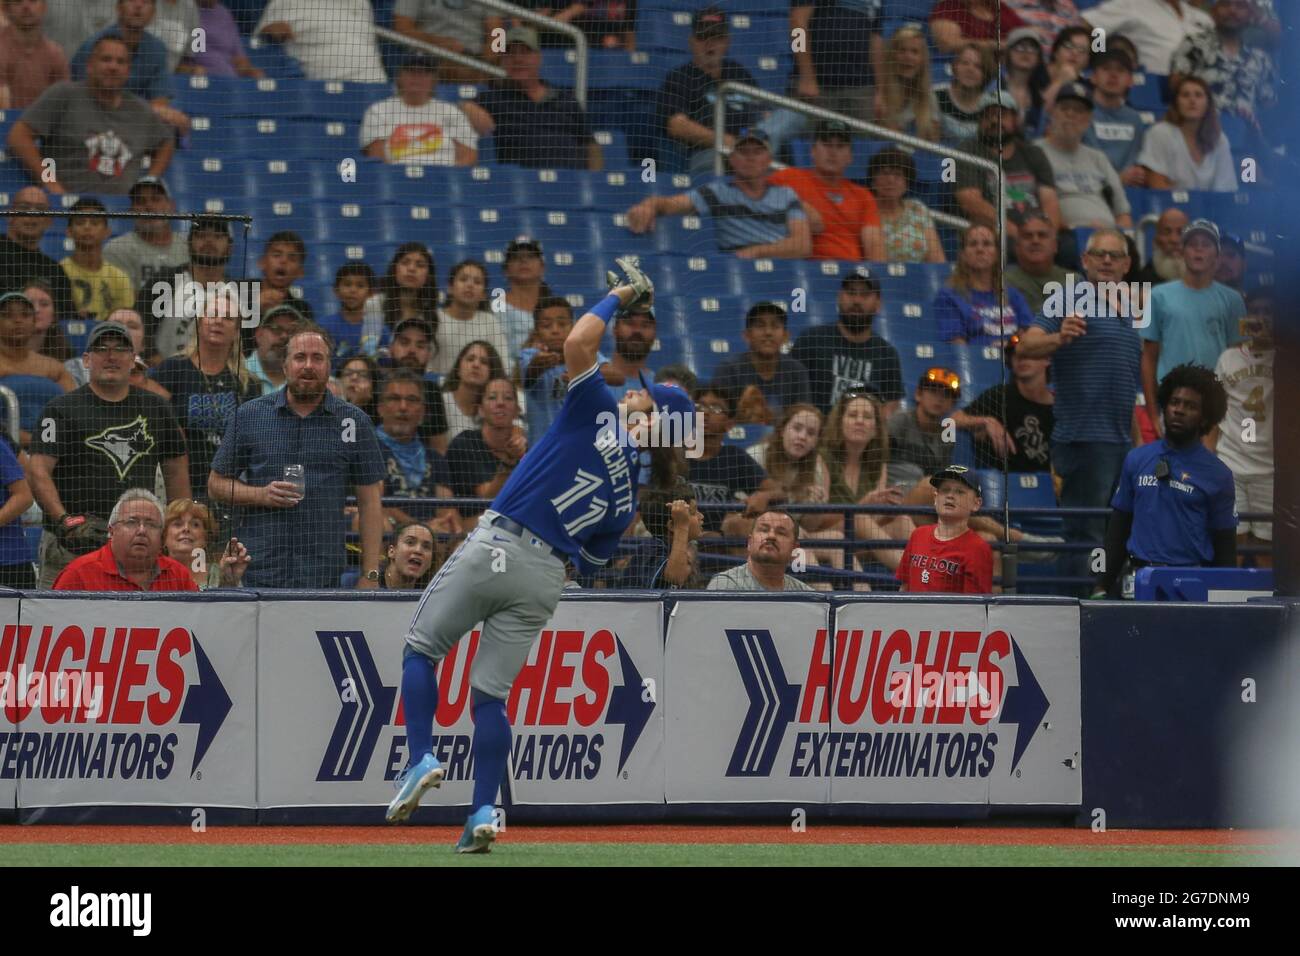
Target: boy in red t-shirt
pixel 949 557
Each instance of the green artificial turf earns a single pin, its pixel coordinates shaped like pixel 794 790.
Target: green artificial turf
pixel 621 854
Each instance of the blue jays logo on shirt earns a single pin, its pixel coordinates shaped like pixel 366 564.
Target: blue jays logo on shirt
pixel 124 444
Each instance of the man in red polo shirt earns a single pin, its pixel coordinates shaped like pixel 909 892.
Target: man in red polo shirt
pixel 949 557
pixel 845 222
pixel 133 559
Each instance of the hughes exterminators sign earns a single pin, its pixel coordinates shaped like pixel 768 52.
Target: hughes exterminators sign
pixel 113 702
pixel 901 703
pixel 584 710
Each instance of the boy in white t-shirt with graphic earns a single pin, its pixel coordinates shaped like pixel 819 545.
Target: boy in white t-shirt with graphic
pixel 416 129
pixel 1244 442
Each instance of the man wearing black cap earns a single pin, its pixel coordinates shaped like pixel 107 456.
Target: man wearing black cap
pixel 533 123
pixel 847 354
pixel 411 348
pixel 751 217
pixel 948 557
pixel 1117 128
pixel 96 442
pixel 1089 189
pixel 415 128
pixel 1232 263
pixel 689 91
pixel 209 250
pixel 153 251
pixel 842 215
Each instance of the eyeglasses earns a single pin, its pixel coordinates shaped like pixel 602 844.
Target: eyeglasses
pixel 1107 255
pixel 113 349
pixel 135 524
pixel 713 409
pixel 942 378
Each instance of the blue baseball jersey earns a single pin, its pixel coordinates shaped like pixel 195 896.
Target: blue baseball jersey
pixel 1174 516
pixel 575 488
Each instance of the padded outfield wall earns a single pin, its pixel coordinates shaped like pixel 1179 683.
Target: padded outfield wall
pixel 284 707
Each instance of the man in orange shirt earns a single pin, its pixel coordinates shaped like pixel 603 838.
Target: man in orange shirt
pixel 843 216
pixel 133 559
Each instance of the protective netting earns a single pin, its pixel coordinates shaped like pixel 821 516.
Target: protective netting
pixel 442 185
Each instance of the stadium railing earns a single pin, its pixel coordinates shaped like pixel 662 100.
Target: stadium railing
pixel 401 39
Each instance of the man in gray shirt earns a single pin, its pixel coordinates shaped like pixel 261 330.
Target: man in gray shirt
pixel 1035 266
pixel 771 545
pixel 95 133
pixel 154 251
pixel 1087 185
pixel 457 25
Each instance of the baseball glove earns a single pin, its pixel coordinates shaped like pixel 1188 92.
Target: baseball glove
pixel 633 276
pixel 81 534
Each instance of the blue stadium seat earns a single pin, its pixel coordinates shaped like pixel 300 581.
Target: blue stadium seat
pixel 744 436
pixel 315 139
pixel 1149 92
pixel 613 147
pixel 354 222
pixel 617 190
pixel 689 235
pixel 76 331
pixel 273 215
pixel 558 230
pixel 980 367
pixel 271 59
pixel 33 392
pixel 611 233
pixel 1034 490
pixel 209 95
pixel 551 189
pixel 770 71
pixel 198 176
pixel 669 31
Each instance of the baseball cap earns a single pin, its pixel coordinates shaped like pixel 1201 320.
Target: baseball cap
pixel 1201 225
pixel 419 61
pixel 523 244
pixel 1112 54
pixel 1023 33
pixel 669 398
pixel 861 274
pixel 210 224
pixel 709 23
pixel 636 308
pixel 941 379
pixel 525 35
pixel 833 129
pixel 957 473
pixel 1074 91
pixel 754 133
pixel 424 325
pixel 104 329
pixel 278 310
pixel 146 181
pixel 1234 241
pixel 16 297
pixel 999 98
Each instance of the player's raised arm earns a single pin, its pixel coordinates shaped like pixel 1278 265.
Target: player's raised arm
pixel 581 346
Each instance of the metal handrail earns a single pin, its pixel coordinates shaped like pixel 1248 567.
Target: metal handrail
pixel 471 62
pixel 555 26
pixel 11 404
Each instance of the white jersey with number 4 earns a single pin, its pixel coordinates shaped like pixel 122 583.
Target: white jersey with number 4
pixel 1246 435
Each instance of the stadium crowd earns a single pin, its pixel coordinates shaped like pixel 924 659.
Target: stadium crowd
pixel 304 449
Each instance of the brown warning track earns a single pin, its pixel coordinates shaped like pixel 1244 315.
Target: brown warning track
pixel 654 833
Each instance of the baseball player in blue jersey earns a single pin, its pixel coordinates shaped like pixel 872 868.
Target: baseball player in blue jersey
pixel 570 497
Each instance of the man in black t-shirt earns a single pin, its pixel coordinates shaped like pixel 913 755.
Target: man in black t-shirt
pixel 94 443
pixel 847 353
pixel 724 473
pixel 845 45
pixel 689 91
pixel 411 347
pixel 531 122
pixel 1013 422
pixel 21 257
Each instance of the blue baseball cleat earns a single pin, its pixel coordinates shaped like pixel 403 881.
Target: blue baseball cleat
pixel 422 775
pixel 479 833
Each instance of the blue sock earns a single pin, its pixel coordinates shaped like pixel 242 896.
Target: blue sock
pixel 419 701
pixel 491 746
pixel 606 307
